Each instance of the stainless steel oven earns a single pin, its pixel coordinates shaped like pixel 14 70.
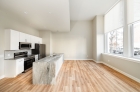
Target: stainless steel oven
pixel 28 59
pixel 28 62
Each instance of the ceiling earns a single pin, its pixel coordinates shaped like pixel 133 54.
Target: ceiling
pixel 55 15
pixel 88 9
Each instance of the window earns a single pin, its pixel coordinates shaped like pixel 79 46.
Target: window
pixel 136 40
pixel 115 41
pixel 114 22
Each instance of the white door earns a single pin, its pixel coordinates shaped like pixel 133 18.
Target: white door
pixel 14 41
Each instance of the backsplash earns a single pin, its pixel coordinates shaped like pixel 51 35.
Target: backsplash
pixel 9 54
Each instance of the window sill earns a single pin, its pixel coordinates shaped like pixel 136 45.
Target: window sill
pixel 123 58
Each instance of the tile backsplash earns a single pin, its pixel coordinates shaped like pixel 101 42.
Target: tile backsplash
pixel 9 54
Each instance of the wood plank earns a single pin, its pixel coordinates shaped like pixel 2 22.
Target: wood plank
pixel 75 76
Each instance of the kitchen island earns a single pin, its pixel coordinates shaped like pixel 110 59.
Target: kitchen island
pixel 46 70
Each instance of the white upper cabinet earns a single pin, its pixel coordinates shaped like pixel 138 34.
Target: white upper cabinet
pixel 35 40
pixel 38 40
pixel 25 37
pixel 12 39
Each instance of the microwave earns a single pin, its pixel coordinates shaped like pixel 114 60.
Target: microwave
pixel 24 45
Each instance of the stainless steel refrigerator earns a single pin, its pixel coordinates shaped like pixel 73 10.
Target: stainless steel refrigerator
pixel 40 49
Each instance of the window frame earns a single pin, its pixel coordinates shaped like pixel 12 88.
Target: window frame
pixel 132 40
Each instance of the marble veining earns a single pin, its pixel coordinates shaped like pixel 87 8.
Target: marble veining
pixel 43 73
pixel 44 70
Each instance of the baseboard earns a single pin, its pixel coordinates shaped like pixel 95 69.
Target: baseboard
pixel 94 60
pixel 78 59
pixel 126 74
pixel 1 77
pixel 1 57
pixel 97 61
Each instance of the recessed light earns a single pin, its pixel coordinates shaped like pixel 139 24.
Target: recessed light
pixel 25 12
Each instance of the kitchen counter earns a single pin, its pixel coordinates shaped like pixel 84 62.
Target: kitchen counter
pixel 46 70
pixel 21 57
pixel 50 58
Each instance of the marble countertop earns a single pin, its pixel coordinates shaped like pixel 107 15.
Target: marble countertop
pixel 21 57
pixel 50 58
pixel 45 70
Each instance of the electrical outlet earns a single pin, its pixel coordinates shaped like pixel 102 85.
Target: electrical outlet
pixel 87 55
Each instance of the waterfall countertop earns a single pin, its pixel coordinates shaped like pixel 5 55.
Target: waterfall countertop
pixel 46 70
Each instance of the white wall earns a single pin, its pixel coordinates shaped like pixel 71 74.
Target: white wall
pixel 76 44
pixel 98 37
pixel 94 40
pixel 129 67
pixel 1 66
pixel 47 39
pixel 7 21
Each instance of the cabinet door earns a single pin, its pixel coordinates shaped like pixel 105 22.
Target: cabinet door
pixel 23 37
pixel 38 40
pixel 33 42
pixel 36 57
pixel 28 38
pixel 14 40
pixel 20 66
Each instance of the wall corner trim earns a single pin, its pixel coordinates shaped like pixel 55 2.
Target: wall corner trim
pixel 126 74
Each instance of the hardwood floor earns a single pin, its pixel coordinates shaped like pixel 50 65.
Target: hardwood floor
pixel 75 76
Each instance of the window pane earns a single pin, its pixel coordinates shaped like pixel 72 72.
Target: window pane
pixel 115 41
pixel 112 41
pixel 137 40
